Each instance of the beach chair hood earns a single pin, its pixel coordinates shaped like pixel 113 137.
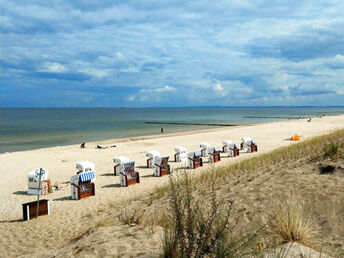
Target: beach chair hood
pixel 120 160
pixel 84 166
pixel 213 150
pixel 159 160
pixel 153 154
pixel 227 142
pixel 34 175
pixel 87 176
pixel 180 150
pixel 246 139
pixel 204 145
pixel 194 154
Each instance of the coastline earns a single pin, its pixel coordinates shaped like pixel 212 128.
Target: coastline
pixel 112 141
pixel 44 128
pixel 60 161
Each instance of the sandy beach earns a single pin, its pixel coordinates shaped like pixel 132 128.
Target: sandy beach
pixel 66 214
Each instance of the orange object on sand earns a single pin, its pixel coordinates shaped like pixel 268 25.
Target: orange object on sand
pixel 295 138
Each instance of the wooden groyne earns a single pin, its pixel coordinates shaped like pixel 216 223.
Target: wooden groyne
pixel 186 123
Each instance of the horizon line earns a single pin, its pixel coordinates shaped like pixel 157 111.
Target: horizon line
pixel 273 106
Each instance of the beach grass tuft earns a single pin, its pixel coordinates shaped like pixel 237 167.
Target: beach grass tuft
pixel 331 150
pixel 130 217
pixel 287 220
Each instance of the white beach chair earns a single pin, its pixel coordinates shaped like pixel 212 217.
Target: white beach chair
pixel 152 155
pixel 180 154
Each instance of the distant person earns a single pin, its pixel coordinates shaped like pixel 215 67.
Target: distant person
pixel 162 130
pixel 82 146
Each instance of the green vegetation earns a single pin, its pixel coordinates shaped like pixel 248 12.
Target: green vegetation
pixel 311 149
pixel 199 228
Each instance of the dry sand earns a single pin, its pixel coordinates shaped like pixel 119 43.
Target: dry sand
pixel 67 218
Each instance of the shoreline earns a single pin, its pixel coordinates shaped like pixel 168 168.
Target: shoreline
pixel 66 138
pixel 139 138
pixel 157 136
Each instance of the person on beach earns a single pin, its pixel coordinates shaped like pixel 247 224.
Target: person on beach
pixel 162 130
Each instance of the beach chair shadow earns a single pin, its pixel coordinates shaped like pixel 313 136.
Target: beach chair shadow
pixel 20 193
pixel 111 186
pixel 107 174
pixel 142 167
pixel 65 198
pixel 148 176
pixel 10 221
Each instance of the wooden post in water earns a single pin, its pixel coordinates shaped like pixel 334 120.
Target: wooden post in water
pixel 39 191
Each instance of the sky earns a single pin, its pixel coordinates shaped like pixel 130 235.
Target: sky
pixel 157 53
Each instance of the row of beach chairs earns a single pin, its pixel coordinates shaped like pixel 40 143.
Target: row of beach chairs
pixel 82 183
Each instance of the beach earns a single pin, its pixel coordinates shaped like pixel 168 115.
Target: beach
pixel 65 220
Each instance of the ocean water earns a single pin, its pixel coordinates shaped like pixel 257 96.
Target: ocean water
pixel 33 128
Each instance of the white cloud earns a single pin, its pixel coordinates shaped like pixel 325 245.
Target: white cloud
pixel 53 68
pixel 131 98
pixel 94 72
pixel 219 90
pixel 340 91
pixel 152 94
pixel 166 88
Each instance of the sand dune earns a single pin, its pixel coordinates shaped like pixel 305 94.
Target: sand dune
pixel 67 218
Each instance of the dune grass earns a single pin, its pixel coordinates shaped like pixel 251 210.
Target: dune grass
pixel 310 149
pixel 198 229
pixel 327 146
pixel 287 220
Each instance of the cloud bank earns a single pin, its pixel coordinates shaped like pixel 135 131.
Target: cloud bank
pixel 171 53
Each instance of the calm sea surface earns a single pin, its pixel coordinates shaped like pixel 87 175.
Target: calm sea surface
pixel 32 128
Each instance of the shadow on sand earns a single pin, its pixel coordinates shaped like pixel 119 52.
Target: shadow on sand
pixel 20 193
pixel 142 167
pixel 148 175
pixel 65 198
pixel 111 186
pixel 108 174
pixel 10 221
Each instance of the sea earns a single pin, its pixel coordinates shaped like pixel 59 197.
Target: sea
pixel 33 128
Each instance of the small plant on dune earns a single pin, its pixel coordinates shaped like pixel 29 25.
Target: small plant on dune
pixel 130 217
pixel 198 228
pixel 331 150
pixel 287 220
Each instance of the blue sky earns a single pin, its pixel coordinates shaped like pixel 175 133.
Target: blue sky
pixel 171 53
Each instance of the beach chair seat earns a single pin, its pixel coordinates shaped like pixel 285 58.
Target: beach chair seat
pixel 195 159
pixel 161 166
pixel 129 176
